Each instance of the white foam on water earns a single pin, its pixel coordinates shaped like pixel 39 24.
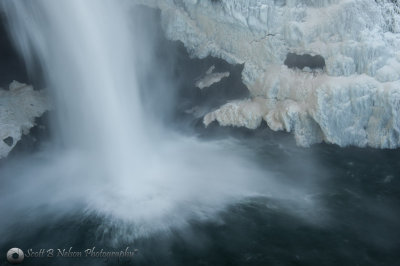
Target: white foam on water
pixel 110 159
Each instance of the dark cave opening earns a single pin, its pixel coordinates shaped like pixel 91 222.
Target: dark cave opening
pixel 305 60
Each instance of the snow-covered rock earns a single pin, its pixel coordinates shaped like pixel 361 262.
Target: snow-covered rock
pixel 347 110
pixel 19 106
pixel 353 100
pixel 211 78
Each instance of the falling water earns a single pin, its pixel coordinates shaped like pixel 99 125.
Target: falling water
pixel 110 159
pixel 87 52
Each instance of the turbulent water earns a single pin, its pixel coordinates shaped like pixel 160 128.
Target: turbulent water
pixel 108 156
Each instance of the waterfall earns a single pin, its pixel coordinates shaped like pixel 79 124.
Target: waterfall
pixel 108 159
pixel 86 50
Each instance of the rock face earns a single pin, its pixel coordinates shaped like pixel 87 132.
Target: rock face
pixel 19 106
pixel 341 80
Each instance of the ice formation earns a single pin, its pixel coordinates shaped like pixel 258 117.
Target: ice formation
pixel 210 78
pixel 19 106
pixel 353 100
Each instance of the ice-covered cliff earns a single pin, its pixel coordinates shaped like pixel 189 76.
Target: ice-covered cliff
pixel 352 99
pixel 19 106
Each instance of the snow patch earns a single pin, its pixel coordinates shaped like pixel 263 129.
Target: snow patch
pixel 19 106
pixel 210 78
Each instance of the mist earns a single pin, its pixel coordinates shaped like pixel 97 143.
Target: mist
pixel 114 152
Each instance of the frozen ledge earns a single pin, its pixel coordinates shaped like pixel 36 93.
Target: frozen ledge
pixel 19 106
pixel 355 110
pixel 352 99
pixel 211 78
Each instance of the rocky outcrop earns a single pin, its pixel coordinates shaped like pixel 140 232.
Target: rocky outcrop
pixel 326 70
pixel 19 106
pixel 211 78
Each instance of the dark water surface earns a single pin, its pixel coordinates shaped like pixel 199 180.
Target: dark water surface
pixel 360 223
